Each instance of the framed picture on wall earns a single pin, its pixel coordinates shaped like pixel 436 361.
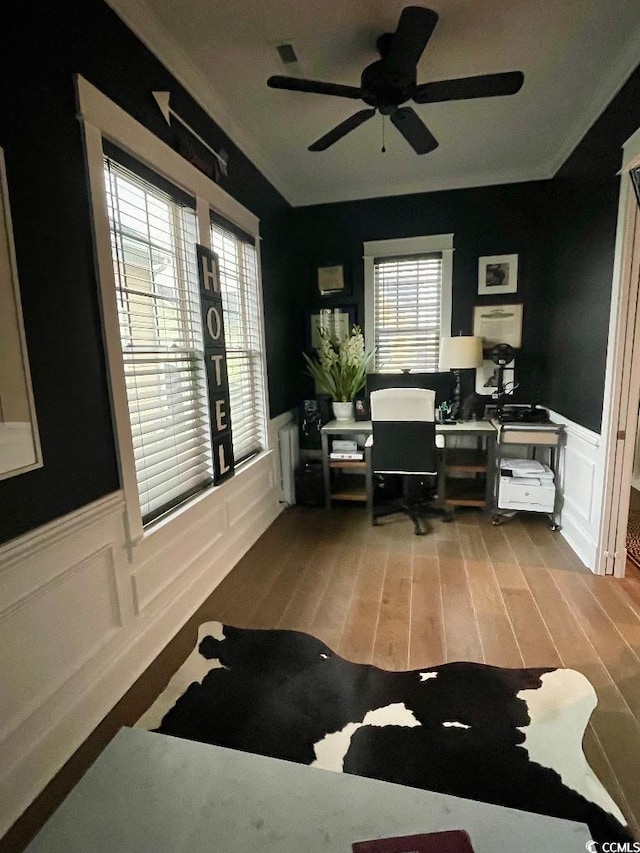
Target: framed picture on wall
pixel 331 280
pixel 498 324
pixel 497 274
pixel 336 322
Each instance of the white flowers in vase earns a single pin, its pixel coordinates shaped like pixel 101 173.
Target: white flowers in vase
pixel 340 365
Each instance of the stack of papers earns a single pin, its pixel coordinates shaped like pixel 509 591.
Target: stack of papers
pixel 523 467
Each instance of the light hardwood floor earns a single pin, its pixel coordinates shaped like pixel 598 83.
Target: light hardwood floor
pixel 514 595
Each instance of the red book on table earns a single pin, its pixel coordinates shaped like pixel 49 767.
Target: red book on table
pixel 453 841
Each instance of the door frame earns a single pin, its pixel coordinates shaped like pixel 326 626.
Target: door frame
pixel 622 379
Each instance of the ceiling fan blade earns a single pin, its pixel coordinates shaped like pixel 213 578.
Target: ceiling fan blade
pixel 414 30
pixel 297 84
pixel 414 130
pixel 342 129
pixel 483 86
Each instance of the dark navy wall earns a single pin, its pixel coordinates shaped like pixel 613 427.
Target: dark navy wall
pixel 584 215
pixel 563 231
pixel 509 219
pixel 40 51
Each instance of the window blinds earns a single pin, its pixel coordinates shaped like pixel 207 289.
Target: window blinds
pixel 153 240
pixel 242 321
pixel 407 306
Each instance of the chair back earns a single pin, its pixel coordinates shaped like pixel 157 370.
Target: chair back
pixel 404 431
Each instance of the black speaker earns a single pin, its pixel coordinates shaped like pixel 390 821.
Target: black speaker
pixel 312 415
pixel 310 484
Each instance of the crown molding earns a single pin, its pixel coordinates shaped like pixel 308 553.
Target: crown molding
pixel 619 72
pixel 142 21
pixel 140 18
pixel 516 176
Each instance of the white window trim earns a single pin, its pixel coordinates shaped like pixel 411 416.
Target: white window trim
pixel 408 246
pixel 103 119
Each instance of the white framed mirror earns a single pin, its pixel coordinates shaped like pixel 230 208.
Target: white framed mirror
pixel 19 438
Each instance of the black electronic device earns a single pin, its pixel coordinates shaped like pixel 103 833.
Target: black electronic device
pixel 313 414
pixel 441 383
pixel 501 354
pixel 522 414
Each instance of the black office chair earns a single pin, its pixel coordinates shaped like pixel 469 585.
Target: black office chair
pixel 403 442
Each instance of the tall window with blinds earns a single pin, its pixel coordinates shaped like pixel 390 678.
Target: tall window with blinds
pixel 153 238
pixel 242 312
pixel 407 312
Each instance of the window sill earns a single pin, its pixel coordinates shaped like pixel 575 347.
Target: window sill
pixel 189 511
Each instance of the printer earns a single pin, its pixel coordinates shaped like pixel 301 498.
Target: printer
pixel 526 484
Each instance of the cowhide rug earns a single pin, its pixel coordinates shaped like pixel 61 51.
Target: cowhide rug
pixel 507 736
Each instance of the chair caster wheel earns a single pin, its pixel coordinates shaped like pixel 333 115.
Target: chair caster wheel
pixel 553 527
pixel 496 520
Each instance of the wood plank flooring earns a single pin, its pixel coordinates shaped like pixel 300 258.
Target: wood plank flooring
pixel 514 595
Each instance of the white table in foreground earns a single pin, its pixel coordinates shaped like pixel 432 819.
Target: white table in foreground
pixel 149 793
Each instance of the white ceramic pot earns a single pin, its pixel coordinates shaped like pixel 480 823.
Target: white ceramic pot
pixel 342 411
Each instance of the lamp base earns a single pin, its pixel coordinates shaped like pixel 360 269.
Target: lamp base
pixel 456 401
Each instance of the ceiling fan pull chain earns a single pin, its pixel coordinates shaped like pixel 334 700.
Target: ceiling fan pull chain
pixel 384 150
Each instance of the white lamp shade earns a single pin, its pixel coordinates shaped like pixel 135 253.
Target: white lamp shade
pixel 460 353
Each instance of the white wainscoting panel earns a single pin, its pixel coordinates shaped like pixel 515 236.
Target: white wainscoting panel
pixel 581 467
pixel 83 613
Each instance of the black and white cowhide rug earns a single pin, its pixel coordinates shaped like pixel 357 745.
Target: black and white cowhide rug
pixel 507 736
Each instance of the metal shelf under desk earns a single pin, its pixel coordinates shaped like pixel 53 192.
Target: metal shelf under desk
pixel 474 461
pixel 349 480
pixel 534 436
pixel 471 462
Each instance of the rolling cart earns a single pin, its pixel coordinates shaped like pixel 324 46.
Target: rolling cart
pixel 534 436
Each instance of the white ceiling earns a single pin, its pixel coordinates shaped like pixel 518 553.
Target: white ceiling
pixel 575 54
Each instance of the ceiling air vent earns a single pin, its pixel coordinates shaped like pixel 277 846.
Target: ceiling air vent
pixel 287 54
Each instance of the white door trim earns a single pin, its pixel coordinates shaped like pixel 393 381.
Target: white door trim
pixel 622 378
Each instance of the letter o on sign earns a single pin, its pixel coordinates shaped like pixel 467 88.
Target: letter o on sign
pixel 214 322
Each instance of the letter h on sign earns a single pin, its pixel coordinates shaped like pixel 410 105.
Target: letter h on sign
pixel 215 355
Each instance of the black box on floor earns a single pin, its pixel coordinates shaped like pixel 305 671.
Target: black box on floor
pixel 310 484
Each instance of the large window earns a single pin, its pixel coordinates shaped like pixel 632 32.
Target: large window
pixel 242 310
pixel 408 301
pixel 153 241
pixel 154 231
pixel 151 208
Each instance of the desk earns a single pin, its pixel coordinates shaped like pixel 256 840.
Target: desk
pixel 464 460
pixel 149 793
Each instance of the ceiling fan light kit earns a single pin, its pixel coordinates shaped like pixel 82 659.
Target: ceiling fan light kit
pixel 389 82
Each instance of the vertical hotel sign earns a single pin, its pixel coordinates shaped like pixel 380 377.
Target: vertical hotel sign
pixel 215 356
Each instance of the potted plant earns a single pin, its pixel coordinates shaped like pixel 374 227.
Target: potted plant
pixel 339 367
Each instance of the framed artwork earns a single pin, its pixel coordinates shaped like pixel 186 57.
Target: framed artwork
pixel 19 437
pixel 487 378
pixel 331 280
pixel 336 322
pixel 497 274
pixel 361 410
pixel 498 324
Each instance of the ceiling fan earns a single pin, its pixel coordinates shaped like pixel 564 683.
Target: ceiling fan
pixel 391 81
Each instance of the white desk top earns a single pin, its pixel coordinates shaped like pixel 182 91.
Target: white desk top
pixel 462 427
pixel 150 793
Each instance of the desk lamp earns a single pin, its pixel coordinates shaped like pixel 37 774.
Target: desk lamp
pixel 460 353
